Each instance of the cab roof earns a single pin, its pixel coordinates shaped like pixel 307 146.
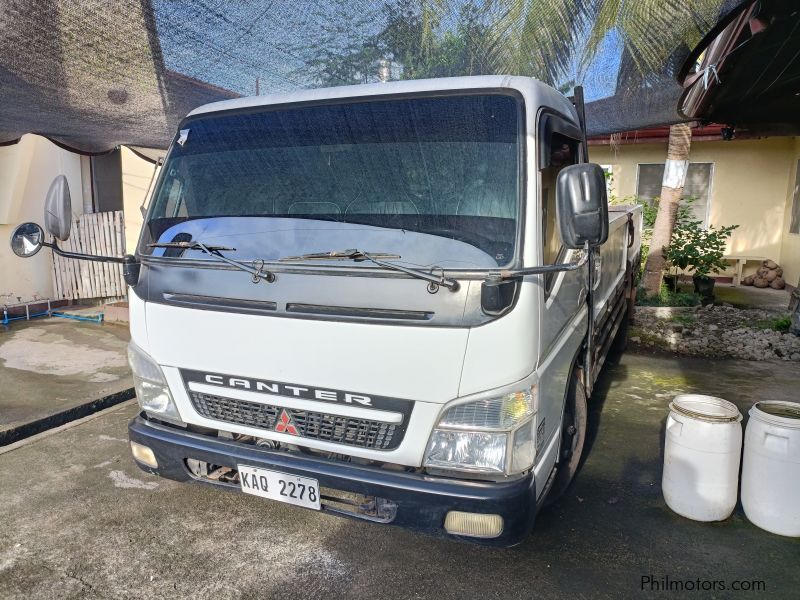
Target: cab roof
pixel 534 92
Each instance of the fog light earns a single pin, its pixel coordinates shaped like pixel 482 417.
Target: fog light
pixel 473 524
pixel 144 455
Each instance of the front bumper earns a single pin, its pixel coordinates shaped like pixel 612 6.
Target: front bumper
pixel 422 501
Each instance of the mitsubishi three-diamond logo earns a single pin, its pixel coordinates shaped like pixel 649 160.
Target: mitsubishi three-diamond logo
pixel 285 424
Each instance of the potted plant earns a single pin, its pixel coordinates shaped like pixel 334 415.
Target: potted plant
pixel 703 250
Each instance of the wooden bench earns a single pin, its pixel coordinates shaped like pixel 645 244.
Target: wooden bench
pixel 741 261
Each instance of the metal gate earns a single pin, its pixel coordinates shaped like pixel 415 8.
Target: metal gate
pixel 93 233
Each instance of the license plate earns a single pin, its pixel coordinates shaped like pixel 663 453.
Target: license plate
pixel 282 487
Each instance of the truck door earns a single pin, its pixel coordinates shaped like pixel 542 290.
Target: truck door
pixel 564 293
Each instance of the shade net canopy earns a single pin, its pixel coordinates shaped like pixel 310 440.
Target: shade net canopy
pixel 95 74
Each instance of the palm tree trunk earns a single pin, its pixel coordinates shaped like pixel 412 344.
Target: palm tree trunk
pixel 680 139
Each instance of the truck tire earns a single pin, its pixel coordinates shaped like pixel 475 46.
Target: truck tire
pixel 573 436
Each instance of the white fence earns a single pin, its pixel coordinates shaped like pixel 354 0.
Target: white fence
pixel 93 233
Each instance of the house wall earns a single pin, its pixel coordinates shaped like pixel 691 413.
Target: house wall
pixel 790 242
pixel 749 188
pixel 26 171
pixel 136 175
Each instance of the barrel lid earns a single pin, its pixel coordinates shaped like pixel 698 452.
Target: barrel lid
pixel 778 412
pixel 705 408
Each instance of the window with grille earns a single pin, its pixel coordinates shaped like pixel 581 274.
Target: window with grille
pixel 697 186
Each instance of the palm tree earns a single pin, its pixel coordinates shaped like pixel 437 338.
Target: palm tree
pixel 537 37
pixel 680 139
pixel 648 52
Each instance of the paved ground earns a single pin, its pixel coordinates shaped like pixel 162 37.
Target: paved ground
pixel 49 365
pixel 744 296
pixel 80 520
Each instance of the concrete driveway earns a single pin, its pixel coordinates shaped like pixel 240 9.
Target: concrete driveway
pixel 80 520
pixel 50 366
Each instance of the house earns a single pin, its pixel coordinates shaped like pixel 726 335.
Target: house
pixel 753 182
pixel 114 181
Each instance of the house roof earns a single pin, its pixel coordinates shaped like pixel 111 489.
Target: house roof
pixel 659 134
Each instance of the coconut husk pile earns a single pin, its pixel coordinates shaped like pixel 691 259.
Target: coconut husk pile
pixel 769 274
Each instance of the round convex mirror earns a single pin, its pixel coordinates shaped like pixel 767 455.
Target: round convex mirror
pixel 27 240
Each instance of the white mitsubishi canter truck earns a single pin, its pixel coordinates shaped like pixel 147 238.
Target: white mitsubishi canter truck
pixel 386 301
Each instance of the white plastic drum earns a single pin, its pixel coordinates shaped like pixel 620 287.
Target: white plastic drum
pixel 771 469
pixel 701 457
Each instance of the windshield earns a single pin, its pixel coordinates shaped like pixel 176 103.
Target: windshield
pixel 435 180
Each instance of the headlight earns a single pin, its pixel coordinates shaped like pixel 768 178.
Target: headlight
pixel 152 391
pixel 492 435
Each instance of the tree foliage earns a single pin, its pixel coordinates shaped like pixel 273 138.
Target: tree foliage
pixel 552 40
pixel 411 41
pixel 695 248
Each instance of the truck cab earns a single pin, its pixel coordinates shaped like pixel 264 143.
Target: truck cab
pixel 361 300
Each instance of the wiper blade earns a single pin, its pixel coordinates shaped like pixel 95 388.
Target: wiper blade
pixel 434 281
pixel 190 246
pixel 257 270
pixel 353 254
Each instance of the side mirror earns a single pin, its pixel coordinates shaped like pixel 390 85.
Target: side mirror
pixel 582 205
pixel 58 209
pixel 27 239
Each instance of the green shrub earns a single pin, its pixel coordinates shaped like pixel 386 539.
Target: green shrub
pixel 694 247
pixel 649 212
pixel 781 324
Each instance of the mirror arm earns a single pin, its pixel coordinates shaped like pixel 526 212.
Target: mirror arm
pixel 544 269
pixel 130 266
pixel 78 256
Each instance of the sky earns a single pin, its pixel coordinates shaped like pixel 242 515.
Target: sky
pixel 230 44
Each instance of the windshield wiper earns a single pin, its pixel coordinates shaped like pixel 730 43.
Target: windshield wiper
pixel 190 246
pixel 356 255
pixel 359 255
pixel 258 272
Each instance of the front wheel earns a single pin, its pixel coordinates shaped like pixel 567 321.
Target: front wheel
pixel 573 436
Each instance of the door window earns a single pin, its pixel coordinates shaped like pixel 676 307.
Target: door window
pixel 563 152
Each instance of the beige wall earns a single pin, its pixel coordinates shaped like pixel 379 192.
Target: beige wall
pixel 749 188
pixel 26 171
pixel 136 175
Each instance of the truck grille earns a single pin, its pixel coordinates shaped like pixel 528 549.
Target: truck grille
pixel 337 429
